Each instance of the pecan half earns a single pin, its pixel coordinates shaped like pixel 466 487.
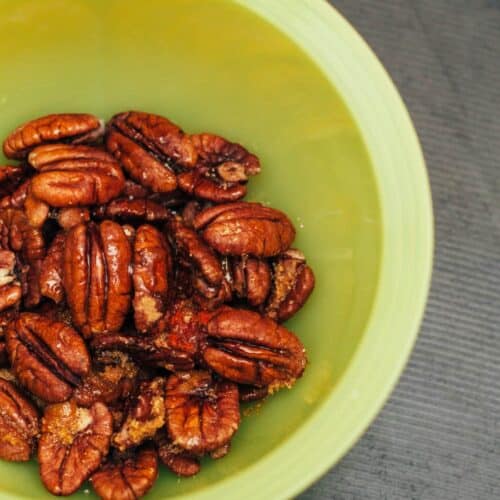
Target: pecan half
pixel 251 279
pixel 245 228
pixel 113 378
pixel 52 269
pixel 74 175
pixel 19 426
pixel 73 443
pixel 68 127
pixel 293 282
pixel 96 276
pixel 179 461
pixel 126 476
pixel 250 349
pixel 48 357
pixel 137 209
pixel 145 417
pixel 202 413
pixel 148 146
pixel 222 169
pixel 152 269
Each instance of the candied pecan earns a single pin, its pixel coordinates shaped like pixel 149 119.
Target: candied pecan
pixel 10 178
pixel 152 268
pixel 197 183
pixel 195 252
pixel 202 413
pixel 293 282
pixel 250 349
pixel 250 393
pixel 52 269
pixel 251 279
pixel 145 417
pixel 69 127
pixel 133 190
pixel 126 476
pixel 245 228
pixel 189 212
pixel 96 276
pixel 19 426
pixel 112 378
pixel 73 443
pixel 72 216
pixel 178 460
pixel 142 209
pixel 48 357
pixel 74 175
pixel 222 169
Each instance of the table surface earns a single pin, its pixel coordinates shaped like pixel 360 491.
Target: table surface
pixel 438 437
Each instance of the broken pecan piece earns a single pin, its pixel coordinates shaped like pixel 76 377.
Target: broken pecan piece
pixel 178 460
pixel 142 209
pixel 251 279
pixel 126 476
pixel 74 175
pixel 293 282
pixel 245 229
pixel 73 444
pixel 48 357
pixel 96 276
pixel 250 349
pixel 69 127
pixel 72 216
pixel 19 426
pixel 202 413
pixel 10 178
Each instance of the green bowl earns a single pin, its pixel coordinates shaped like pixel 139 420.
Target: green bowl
pixel 296 85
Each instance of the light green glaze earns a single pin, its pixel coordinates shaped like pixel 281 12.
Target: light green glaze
pixel 215 66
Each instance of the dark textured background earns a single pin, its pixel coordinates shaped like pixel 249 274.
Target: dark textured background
pixel 438 437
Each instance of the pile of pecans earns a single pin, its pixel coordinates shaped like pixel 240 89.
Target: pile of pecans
pixel 140 299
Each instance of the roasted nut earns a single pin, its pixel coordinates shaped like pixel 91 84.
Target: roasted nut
pixel 176 459
pixel 133 190
pixel 72 216
pixel 48 357
pixel 52 268
pixel 148 146
pixel 18 424
pixel 10 178
pixel 202 414
pixel 74 128
pixel 245 228
pixel 74 175
pixel 222 169
pixel 73 444
pixel 251 280
pixel 36 211
pixel 250 349
pixel 96 276
pixel 145 417
pixel 196 253
pixel 152 269
pixel 293 282
pixel 112 378
pixel 142 209
pixel 127 476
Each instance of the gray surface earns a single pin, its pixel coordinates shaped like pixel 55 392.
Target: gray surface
pixel 439 435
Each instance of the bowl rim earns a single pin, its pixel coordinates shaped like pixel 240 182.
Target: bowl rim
pixel 408 237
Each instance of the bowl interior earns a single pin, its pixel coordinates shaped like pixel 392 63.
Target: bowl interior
pixel 214 66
